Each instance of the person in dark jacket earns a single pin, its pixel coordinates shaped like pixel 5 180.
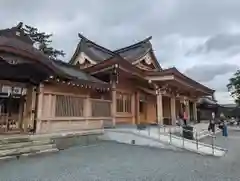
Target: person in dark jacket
pixel 211 126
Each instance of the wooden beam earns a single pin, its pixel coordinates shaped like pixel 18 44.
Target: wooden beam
pixel 147 90
pixel 102 70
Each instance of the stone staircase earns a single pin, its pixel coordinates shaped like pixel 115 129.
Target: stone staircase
pixel 15 147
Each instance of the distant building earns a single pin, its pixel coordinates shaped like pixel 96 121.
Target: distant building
pixel 229 110
pixel 206 106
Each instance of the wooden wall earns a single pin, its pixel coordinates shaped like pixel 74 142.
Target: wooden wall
pixel 126 86
pixel 71 119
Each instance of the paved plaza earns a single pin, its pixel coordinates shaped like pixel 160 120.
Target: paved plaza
pixel 119 162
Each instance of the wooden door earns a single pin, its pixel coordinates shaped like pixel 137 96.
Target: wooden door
pixel 143 112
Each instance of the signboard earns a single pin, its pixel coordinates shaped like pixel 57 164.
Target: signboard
pixel 12 90
pixel 5 89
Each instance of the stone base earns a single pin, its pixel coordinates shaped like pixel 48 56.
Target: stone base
pixel 75 140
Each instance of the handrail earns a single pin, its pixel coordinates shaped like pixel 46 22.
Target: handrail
pixel 196 135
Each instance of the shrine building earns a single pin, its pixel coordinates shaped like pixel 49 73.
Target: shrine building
pixel 97 88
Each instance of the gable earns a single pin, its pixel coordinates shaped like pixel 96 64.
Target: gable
pixel 146 63
pixel 94 52
pixel 140 54
pixel 83 61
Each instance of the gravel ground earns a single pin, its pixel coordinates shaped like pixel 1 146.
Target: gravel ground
pixel 118 162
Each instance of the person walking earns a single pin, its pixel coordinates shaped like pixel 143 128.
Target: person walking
pixel 238 120
pixel 211 126
pixel 180 116
pixel 225 130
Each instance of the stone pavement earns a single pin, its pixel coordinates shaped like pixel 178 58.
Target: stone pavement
pixel 120 162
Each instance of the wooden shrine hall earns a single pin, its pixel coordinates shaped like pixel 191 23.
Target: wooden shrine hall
pixel 97 87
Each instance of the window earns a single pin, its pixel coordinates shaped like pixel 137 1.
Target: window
pixel 124 102
pixel 101 108
pixel 69 106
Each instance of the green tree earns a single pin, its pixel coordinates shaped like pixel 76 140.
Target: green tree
pixel 43 42
pixel 234 87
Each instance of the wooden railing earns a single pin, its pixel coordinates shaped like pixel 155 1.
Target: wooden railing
pixel 69 106
pixel 101 108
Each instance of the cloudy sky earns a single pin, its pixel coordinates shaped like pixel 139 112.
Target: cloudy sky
pixel 200 38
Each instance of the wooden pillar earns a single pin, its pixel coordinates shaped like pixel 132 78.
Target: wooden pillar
pixel 114 103
pixel 173 110
pixel 39 110
pixel 187 108
pixel 34 105
pixel 49 112
pixel 28 110
pixel 137 114
pixel 195 110
pixel 133 104
pixel 87 108
pixel 159 108
pixel 20 113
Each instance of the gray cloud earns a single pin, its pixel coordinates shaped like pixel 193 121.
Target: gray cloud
pixel 229 43
pixel 205 72
pixel 114 24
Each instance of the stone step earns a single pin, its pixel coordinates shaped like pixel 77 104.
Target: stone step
pixel 41 152
pixel 7 157
pixel 52 150
pixel 25 144
pixel 14 140
pixel 25 150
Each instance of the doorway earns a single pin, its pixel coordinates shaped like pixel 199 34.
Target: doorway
pixel 11 112
pixel 142 111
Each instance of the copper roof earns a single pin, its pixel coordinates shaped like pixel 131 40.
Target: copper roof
pixel 74 72
pixel 19 44
pixel 174 71
pixel 112 61
pixel 92 50
pixel 205 100
pixel 135 51
pixel 16 33
pixel 15 41
pixel 98 53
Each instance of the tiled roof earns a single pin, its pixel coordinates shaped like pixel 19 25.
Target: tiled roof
pixel 135 51
pixel 99 53
pixel 16 33
pixel 92 50
pixel 21 45
pixel 205 100
pixel 75 72
pixel 18 44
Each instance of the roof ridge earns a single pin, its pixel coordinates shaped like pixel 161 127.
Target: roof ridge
pixel 133 45
pixel 95 44
pixel 12 33
pixel 58 61
pixel 196 82
pixel 73 67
